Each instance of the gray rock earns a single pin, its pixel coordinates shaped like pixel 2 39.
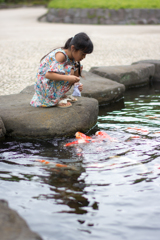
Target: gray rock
pixel 104 90
pixel 152 21
pixel 136 13
pixel 84 13
pixel 67 19
pixel 77 20
pixel 121 14
pixel 2 129
pixel 23 120
pixel 156 63
pixel 106 13
pixel 142 21
pixel 77 13
pixel 128 13
pixel 99 12
pixel 144 13
pixel 14 227
pixel 50 17
pixel 129 75
pixel 113 15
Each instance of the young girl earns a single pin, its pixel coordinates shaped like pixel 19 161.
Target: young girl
pixel 59 70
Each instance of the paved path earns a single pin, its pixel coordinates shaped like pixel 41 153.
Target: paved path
pixel 23 41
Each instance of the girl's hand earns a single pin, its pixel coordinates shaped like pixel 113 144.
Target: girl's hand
pixel 73 79
pixel 80 87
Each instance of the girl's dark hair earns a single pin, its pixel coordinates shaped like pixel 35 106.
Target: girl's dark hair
pixel 82 42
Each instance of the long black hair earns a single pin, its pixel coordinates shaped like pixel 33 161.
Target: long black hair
pixel 82 42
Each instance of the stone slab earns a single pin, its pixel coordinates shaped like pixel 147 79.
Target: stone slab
pixel 12 226
pixel 2 129
pixel 156 63
pixel 104 90
pixel 129 75
pixel 22 120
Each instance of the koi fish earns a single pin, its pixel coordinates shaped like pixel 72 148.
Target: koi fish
pixel 82 138
pixel 79 141
pixel 80 135
pixel 139 130
pixel 103 135
pixel 152 117
pixel 57 167
pixel 135 137
pixel 52 163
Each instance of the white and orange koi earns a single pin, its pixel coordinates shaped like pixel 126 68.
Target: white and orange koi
pixel 138 130
pixel 53 164
pixel 82 138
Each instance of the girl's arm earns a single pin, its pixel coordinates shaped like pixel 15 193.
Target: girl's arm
pixel 59 77
pixel 60 57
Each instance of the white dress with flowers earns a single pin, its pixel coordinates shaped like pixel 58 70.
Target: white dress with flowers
pixel 49 92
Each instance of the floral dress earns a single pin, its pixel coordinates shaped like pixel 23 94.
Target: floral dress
pixel 49 92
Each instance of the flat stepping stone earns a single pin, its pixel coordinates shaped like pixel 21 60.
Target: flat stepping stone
pixel 13 226
pixel 2 129
pixel 104 90
pixel 129 75
pixel 22 120
pixel 156 63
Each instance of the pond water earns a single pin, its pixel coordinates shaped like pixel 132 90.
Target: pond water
pixel 110 190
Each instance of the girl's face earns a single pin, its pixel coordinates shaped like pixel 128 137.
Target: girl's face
pixel 78 55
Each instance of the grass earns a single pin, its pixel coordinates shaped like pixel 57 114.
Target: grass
pixel 111 4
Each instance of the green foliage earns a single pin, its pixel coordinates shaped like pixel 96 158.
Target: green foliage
pixel 111 4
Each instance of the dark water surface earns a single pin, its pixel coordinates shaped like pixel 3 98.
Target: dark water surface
pixel 111 189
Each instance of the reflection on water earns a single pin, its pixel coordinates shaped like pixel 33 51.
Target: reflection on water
pixel 109 189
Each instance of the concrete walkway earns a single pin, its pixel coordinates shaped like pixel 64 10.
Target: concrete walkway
pixel 24 40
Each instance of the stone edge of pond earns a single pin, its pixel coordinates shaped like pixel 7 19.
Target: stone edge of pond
pixel 24 121
pixel 102 16
pixel 134 75
pixel 12 225
pixel 2 129
pixel 156 63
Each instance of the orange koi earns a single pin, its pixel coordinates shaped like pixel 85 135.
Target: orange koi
pixel 80 135
pixel 77 142
pixel 103 135
pixel 52 163
pixel 82 138
pixel 152 117
pixel 140 130
pixel 135 137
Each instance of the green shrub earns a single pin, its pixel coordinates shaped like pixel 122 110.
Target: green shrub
pixel 111 4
